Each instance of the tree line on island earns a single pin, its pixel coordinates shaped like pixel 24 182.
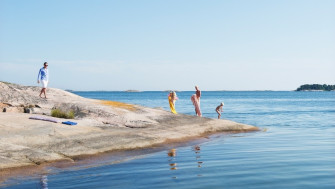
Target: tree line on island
pixel 316 87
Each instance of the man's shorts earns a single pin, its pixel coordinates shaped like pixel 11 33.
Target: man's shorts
pixel 44 83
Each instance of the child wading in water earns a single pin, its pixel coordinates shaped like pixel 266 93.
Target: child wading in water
pixel 172 99
pixel 219 110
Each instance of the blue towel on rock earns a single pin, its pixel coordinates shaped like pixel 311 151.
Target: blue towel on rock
pixel 69 123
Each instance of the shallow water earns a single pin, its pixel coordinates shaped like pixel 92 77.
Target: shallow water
pixel 295 149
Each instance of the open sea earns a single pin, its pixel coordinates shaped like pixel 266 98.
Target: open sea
pixel 294 149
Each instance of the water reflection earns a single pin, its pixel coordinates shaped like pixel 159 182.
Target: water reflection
pixel 44 182
pixel 197 149
pixel 172 160
pixel 197 155
pixel 172 154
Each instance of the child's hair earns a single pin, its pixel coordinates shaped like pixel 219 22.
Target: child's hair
pixel 173 94
pixel 222 104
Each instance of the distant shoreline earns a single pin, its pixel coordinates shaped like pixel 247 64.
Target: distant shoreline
pixel 315 91
pixel 316 87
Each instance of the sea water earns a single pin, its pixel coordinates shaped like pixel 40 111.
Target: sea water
pixel 294 149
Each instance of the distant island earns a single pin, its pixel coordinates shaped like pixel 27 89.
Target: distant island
pixel 316 87
pixel 132 91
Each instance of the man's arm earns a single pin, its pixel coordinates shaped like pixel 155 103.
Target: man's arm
pixel 38 77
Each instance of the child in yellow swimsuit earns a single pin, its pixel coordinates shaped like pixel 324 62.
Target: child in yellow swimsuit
pixel 172 99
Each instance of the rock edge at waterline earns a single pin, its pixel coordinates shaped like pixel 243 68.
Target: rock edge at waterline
pixel 102 126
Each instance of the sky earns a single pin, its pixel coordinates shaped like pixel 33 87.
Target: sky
pixel 152 45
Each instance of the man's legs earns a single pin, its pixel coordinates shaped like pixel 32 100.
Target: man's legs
pixel 44 91
pixel 41 92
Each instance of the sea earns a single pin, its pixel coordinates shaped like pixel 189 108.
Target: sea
pixel 295 147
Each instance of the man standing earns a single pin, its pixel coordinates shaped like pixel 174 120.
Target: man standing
pixel 43 77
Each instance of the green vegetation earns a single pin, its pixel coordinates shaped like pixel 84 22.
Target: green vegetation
pixel 5 82
pixel 60 114
pixel 309 87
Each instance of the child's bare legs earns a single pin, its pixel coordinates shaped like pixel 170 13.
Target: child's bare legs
pixel 219 114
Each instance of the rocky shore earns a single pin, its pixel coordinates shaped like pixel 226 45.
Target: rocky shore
pixel 102 126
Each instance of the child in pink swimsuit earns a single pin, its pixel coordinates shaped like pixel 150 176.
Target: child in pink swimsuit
pixel 195 98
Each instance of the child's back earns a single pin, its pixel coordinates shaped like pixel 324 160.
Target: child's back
pixel 219 110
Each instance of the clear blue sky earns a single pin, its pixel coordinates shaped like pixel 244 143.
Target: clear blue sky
pixel 160 44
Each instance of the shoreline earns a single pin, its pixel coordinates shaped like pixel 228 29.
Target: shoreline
pixel 33 142
pixel 103 126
